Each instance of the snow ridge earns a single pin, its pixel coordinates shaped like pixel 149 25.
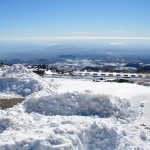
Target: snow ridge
pixel 83 104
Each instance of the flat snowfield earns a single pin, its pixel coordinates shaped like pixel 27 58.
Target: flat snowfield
pixel 122 90
pixel 140 95
pixel 72 114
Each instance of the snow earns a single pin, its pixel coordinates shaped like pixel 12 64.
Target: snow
pixel 18 70
pixel 48 72
pixel 122 90
pixel 21 81
pixel 136 94
pixel 8 96
pixel 36 131
pixel 73 114
pixel 82 104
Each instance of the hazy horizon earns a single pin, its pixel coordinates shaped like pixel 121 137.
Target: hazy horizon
pixel 42 29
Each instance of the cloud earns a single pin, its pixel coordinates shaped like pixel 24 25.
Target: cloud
pixel 83 33
pixel 73 38
pixel 118 43
pixel 117 31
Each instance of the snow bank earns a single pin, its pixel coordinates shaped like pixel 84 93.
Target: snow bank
pixel 21 81
pixel 83 104
pixel 36 131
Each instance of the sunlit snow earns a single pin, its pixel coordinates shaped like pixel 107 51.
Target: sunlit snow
pixel 69 114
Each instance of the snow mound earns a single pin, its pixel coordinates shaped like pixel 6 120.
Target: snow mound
pixel 83 104
pixel 23 82
pixel 18 70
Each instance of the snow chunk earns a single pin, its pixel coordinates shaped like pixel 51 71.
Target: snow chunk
pixel 143 136
pixel 4 123
pixel 102 137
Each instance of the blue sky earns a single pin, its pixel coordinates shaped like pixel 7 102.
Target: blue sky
pixel 74 19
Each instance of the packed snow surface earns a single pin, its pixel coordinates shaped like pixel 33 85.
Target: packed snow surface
pixel 77 115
